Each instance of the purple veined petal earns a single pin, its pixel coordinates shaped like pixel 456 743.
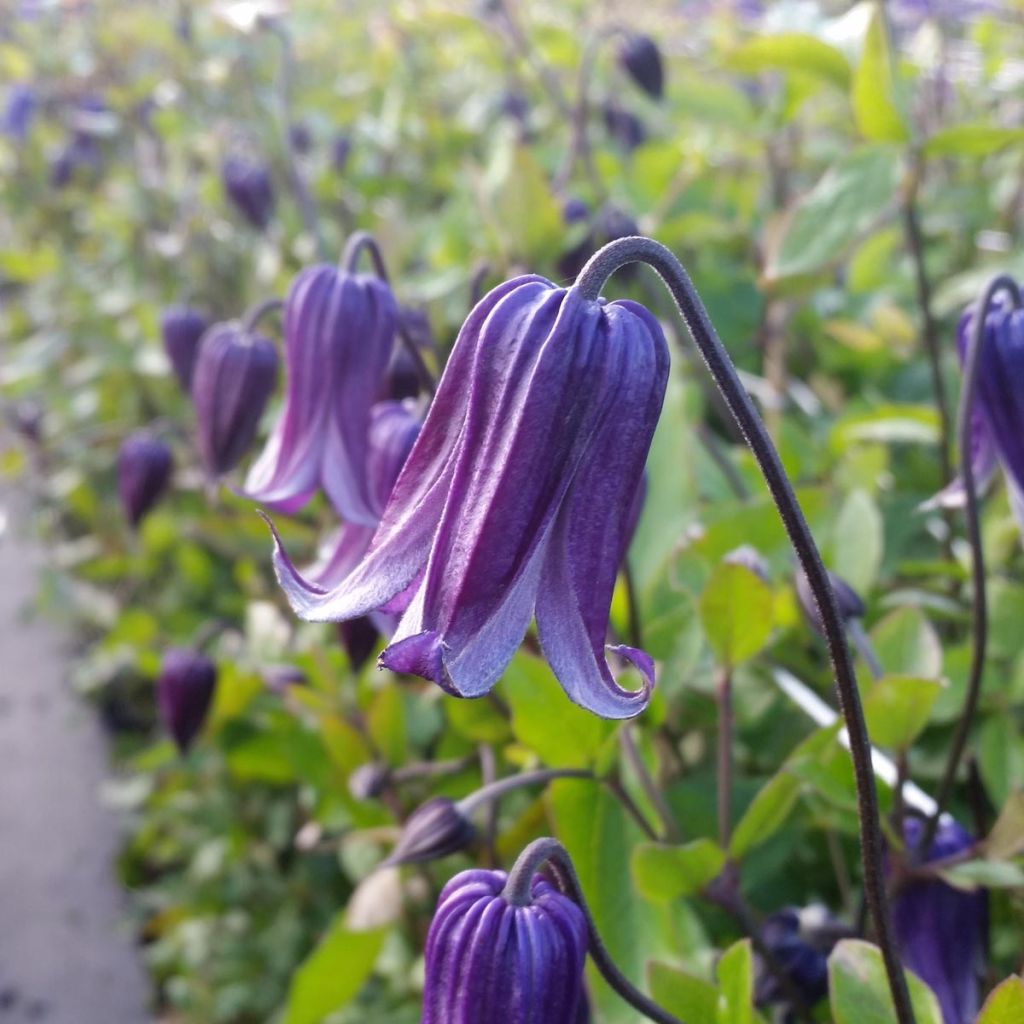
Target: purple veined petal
pixel 477 598
pixel 400 548
pixel 1016 496
pixel 984 461
pixel 340 553
pixel 590 536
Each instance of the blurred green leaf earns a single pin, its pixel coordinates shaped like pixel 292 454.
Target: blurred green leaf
pixel 897 709
pixel 906 644
pixel 690 999
pixel 664 873
pixel 972 140
pixel 766 814
pixel 857 541
pixel 792 51
pixel 1007 836
pixel 1005 1004
pixel 874 92
pixel 737 612
pixel 736 985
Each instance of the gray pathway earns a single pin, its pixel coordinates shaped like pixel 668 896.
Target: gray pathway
pixel 65 954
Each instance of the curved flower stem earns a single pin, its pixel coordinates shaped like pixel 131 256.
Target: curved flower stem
pixel 358 242
pixel 303 198
pixel 254 315
pixel 488 775
pixel 723 697
pixel 979 609
pixel 517 892
pixel 645 250
pixel 493 790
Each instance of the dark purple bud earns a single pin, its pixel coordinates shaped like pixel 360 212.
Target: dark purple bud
pixel 339 331
pixel 181 328
pixel 490 960
pixel 184 690
pixel 515 499
pixel 341 149
pixel 800 942
pixel 368 781
pixel 515 106
pixel 435 829
pixel 27 419
pixel 575 211
pixel 999 401
pixel 144 466
pixel 234 377
pixel 626 130
pixel 848 600
pixel 19 111
pixel 613 222
pixel 750 558
pixel 359 637
pixel 300 137
pixel 942 932
pixel 640 58
pixel 248 185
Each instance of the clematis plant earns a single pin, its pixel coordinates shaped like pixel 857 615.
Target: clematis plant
pixel 515 499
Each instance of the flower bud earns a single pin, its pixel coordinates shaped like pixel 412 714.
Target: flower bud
pixel 181 329
pixel 184 690
pixel 575 211
pixel 248 185
pixel 234 377
pixel 368 781
pixel 800 941
pixel 19 111
pixel 341 148
pixel 27 419
pixel 144 466
pixel 625 129
pixel 435 829
pixel 489 960
pixel 300 137
pixel 640 58
pixel 847 600
pixel 280 678
pixel 359 637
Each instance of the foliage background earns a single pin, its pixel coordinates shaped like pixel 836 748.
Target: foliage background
pixel 781 167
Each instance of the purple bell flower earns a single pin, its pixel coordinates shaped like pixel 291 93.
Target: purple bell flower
pixel 144 465
pixel 181 328
pixel 640 58
pixel 516 499
pixel 184 690
pixel 19 111
pixel 800 941
pixel 234 376
pixel 489 960
pixel 248 185
pixel 942 932
pixel 339 330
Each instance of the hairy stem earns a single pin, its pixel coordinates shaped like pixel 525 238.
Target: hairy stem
pixel 979 607
pixel 645 250
pixel 492 791
pixel 258 312
pixel 517 892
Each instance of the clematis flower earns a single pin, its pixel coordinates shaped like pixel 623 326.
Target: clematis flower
pixel 184 690
pixel 234 377
pixel 339 330
pixel 181 329
pixel 144 465
pixel 997 415
pixel 942 931
pixel 489 960
pixel 640 58
pixel 435 829
pixel 248 185
pixel 516 499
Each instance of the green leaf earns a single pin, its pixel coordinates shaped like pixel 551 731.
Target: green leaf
pixel 857 547
pixel 766 814
pixel 386 724
pixel 845 204
pixel 1001 757
pixel 792 51
pixel 545 720
pixel 1005 1004
pixel 979 139
pixel 737 612
pixel 332 975
pixel 874 92
pixel 906 644
pixel 1007 836
pixel 859 989
pixel 691 999
pixel 897 709
pixel 736 985
pixel 664 873
pixel 889 424
pixel 990 874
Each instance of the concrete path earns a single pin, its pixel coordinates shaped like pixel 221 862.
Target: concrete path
pixel 66 956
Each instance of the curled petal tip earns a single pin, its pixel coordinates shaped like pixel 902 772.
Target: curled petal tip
pixel 419 655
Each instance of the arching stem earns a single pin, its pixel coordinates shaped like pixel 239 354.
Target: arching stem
pixel 644 250
pixel 517 892
pixel 358 243
pixel 979 605
pixel 254 315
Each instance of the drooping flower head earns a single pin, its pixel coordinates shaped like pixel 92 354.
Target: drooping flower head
pixel 234 377
pixel 516 498
pixel 624 128
pixel 489 960
pixel 184 690
pixel 997 423
pixel 942 931
pixel 339 330
pixel 144 465
pixel 640 58
pixel 435 829
pixel 181 329
pixel 247 183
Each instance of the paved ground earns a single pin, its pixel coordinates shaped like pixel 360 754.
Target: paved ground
pixel 65 955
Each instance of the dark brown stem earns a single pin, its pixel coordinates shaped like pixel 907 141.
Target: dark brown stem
pixel 723 695
pixel 670 829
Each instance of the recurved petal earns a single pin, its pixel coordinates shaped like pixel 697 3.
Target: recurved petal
pixel 592 530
